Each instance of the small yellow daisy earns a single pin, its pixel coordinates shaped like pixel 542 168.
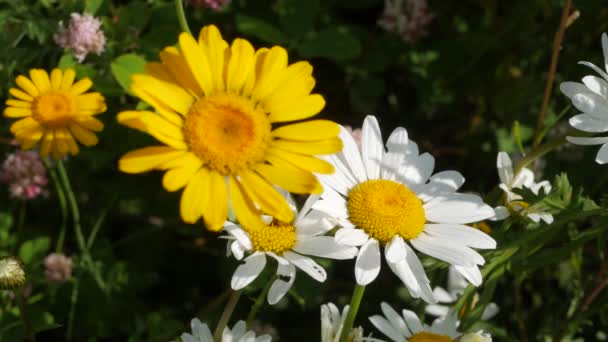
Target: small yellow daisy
pixel 55 110
pixel 221 114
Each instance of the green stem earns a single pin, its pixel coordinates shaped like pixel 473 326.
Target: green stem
pixel 73 205
pixel 98 224
pixel 259 301
pixel 73 301
pixel 62 204
pixel 181 16
pixel 219 330
pixel 20 223
pixel 352 312
pixel 27 324
pixel 538 152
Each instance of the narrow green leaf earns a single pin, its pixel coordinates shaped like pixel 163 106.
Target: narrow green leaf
pixel 126 65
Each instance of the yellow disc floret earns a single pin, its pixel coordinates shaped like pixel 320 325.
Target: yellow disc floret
pixel 429 337
pixel 227 132
pixel 53 108
pixel 383 209
pixel 275 237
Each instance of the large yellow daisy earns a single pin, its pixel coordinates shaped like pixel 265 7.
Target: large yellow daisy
pixel 55 110
pixel 220 114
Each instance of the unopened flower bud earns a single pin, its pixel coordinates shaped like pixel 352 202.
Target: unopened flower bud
pixel 12 274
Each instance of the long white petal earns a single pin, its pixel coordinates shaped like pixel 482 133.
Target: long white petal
pixel 352 156
pixel 386 328
pixel 445 182
pixel 471 273
pixel 395 319
pixel 446 250
pixel 280 286
pixel 398 140
pixel 325 247
pixel 412 321
pixel 457 208
pixel 395 249
pixel 372 149
pixel 307 265
pixel 587 141
pixel 240 234
pixel 247 272
pixel 367 266
pixel 351 236
pixel 505 168
pixel 462 234
pixel 602 155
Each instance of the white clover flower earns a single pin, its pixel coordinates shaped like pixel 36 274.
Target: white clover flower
pixel 591 98
pixel 456 286
pixel 332 323
pixel 479 336
pixel 409 328
pixel 523 179
pixel 12 274
pixel 389 198
pixel 289 244
pixel 83 35
pixel 201 333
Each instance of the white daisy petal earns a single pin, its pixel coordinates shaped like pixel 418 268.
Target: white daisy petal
pixel 457 208
pixel 307 207
pixel 446 250
pixel 386 328
pixel 589 123
pixel 325 247
pixel 437 310
pixel 588 141
pixel 237 249
pixel 280 286
pixel 584 99
pixel 412 321
pixel 443 296
pixel 352 156
pixel 239 329
pixel 351 237
pixel 241 236
pixel 247 272
pixel 395 249
pixel 395 319
pixel 418 271
pixel 462 234
pixel 201 330
pixel 404 272
pixel 595 68
pixel 525 178
pixel 307 265
pixel 279 259
pixel 444 182
pixel 398 141
pixel 367 266
pixel 602 155
pixel 490 311
pixel 313 224
pixel 470 273
pixel 597 85
pixel 371 147
pixel 505 168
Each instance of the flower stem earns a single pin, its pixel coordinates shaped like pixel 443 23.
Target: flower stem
pixel 538 152
pixel 259 301
pixel 27 324
pixel 73 300
pixel 228 309
pixel 557 42
pixel 352 312
pixel 181 16
pixel 20 223
pixel 62 205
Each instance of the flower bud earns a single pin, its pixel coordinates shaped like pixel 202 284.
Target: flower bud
pixel 12 274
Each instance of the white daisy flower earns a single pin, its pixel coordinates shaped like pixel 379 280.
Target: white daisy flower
pixel 332 322
pixel 289 244
pixel 456 286
pixel 239 333
pixel 591 98
pixel 409 328
pixel 389 198
pixel 524 179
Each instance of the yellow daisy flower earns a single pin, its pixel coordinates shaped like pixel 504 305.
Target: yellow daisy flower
pixel 220 114
pixel 55 110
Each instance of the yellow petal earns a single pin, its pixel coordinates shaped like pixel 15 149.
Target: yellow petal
pixel 21 95
pixel 240 65
pixel 301 161
pixel 176 64
pixel 299 109
pixel 41 79
pixel 154 125
pixel 328 146
pixel 289 177
pixel 210 40
pixel 197 62
pixel 29 139
pixel 159 71
pixel 244 209
pixel 81 86
pixel 266 196
pixel 72 145
pixel 170 94
pixel 194 197
pixel 91 102
pixel 61 142
pixel 56 78
pixel 83 135
pixel 27 85
pixel 16 112
pixel 254 74
pixel 160 107
pixel 309 130
pixel 176 178
pixel 17 103
pixel 24 124
pixel 147 158
pixel 47 143
pixel 273 69
pixel 89 123
pixel 297 81
pixel 68 79
pixel 216 210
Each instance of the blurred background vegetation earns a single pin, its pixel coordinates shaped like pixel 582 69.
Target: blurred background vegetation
pixel 458 90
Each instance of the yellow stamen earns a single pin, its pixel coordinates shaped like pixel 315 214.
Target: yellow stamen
pixel 54 108
pixel 429 337
pixel 384 208
pixel 227 132
pixel 275 237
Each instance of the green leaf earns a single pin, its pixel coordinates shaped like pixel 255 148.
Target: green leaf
pixel 67 61
pixel 338 43
pixel 260 29
pixel 91 6
pixel 298 17
pixel 34 250
pixel 126 65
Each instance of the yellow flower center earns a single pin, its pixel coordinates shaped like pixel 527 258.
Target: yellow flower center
pixel 53 108
pixel 429 337
pixel 384 208
pixel 275 237
pixel 227 132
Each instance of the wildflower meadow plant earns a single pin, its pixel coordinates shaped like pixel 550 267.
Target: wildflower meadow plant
pixel 263 178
